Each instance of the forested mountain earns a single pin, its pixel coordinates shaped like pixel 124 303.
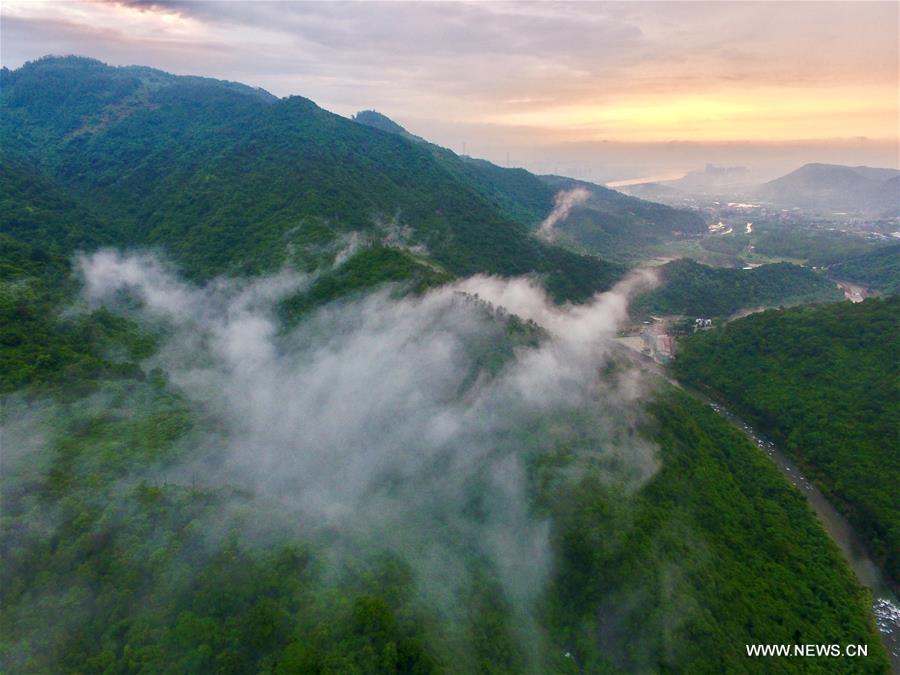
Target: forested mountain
pixel 823 382
pixel 37 210
pixel 832 186
pixel 311 445
pixel 228 178
pixel 607 223
pixel 691 288
pixel 373 118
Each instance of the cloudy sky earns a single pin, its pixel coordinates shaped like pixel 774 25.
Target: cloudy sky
pixel 572 87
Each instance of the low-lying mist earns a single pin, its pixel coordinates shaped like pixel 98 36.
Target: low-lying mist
pixel 399 425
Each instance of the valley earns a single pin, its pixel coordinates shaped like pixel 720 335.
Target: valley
pixel 285 391
pixel 885 604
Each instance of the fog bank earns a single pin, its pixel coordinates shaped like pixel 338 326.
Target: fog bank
pixel 402 425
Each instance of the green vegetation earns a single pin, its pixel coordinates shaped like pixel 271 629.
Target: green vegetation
pixel 823 383
pixel 372 118
pixel 812 244
pixel 523 196
pixel 729 244
pixel 518 194
pixel 725 551
pixel 622 228
pixel 818 247
pixel 227 179
pixel 145 589
pixel 879 270
pixel 367 269
pixel 43 343
pixel 38 213
pixel 106 571
pixel 688 287
pixel 610 224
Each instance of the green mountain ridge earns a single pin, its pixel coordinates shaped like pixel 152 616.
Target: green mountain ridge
pixel 228 180
pixel 879 269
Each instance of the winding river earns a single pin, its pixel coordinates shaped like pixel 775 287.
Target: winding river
pixel 885 606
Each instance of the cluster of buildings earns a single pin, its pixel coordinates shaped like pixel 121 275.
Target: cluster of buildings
pixel 660 345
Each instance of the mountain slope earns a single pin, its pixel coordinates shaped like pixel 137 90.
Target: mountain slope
pixel 879 269
pixel 108 565
pixel 609 223
pixel 36 210
pixel 620 227
pixel 374 119
pixel 822 382
pixel 227 178
pixel 130 546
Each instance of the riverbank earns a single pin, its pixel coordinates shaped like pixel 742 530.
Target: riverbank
pixel 885 605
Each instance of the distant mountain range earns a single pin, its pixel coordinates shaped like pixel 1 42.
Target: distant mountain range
pixel 712 180
pixel 815 187
pixel 836 187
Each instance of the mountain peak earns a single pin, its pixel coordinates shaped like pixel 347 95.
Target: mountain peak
pixel 837 187
pixel 374 119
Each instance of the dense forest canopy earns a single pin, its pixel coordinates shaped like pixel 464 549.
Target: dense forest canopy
pixel 607 223
pixel 126 551
pixel 823 382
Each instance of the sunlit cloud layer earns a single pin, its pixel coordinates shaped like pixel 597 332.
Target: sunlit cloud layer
pixel 518 75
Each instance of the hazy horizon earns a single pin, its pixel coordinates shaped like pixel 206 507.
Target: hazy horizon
pixel 599 91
